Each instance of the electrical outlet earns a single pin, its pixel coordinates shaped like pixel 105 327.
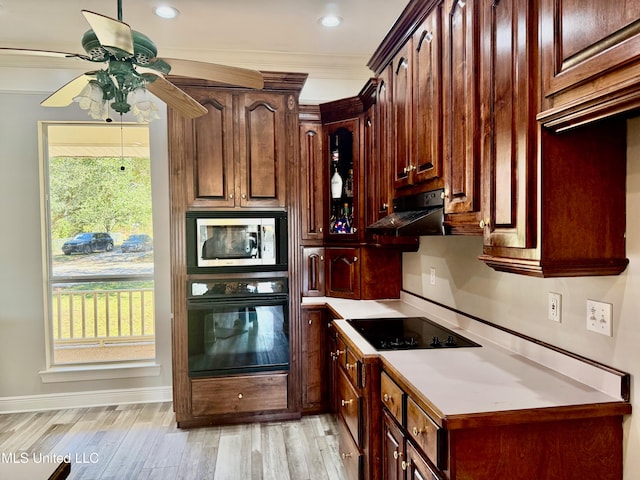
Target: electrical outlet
pixel 599 317
pixel 432 276
pixel 555 307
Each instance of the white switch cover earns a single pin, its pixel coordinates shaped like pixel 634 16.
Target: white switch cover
pixel 555 307
pixel 432 276
pixel 599 317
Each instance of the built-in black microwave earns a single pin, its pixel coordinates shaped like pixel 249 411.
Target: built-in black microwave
pixel 236 241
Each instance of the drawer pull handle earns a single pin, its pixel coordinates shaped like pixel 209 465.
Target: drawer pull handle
pixel 347 455
pixel 406 464
pixel 346 403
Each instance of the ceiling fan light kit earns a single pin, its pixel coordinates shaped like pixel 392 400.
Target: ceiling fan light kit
pixel 121 86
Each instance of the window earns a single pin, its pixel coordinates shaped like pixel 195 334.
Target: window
pixel 98 231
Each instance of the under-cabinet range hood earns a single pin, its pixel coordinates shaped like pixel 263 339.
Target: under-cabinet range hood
pixel 420 214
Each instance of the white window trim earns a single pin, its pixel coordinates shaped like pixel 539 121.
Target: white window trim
pixel 84 372
pixel 76 372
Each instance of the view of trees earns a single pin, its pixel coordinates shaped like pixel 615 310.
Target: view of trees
pixel 99 194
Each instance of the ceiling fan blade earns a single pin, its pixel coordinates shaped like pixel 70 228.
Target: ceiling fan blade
pixel 110 32
pixel 41 53
pixel 242 77
pixel 176 98
pixel 65 94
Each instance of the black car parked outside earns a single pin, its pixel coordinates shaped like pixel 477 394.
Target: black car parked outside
pixel 140 242
pixel 88 242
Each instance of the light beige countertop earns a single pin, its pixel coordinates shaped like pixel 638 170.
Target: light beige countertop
pixel 496 377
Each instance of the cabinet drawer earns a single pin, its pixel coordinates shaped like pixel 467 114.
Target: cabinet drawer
pixel 251 393
pixel 392 397
pixel 426 434
pixel 351 456
pixel 349 406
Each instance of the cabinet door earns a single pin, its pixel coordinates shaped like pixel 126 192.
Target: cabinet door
pixel 262 149
pixel 427 99
pixel 417 467
pixel 314 359
pixel 585 39
pixel 402 126
pixel 461 111
pixel 311 177
pixel 343 272
pixel 342 157
pixel 509 93
pixel 393 450
pixel 313 271
pixel 382 165
pixel 210 167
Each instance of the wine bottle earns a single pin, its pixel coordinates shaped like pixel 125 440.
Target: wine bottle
pixel 342 224
pixel 348 184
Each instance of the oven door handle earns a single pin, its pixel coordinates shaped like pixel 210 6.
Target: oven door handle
pixel 257 300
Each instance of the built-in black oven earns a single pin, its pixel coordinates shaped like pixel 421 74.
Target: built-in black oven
pixel 236 241
pixel 237 326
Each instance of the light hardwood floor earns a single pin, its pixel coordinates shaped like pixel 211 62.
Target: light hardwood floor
pixel 132 442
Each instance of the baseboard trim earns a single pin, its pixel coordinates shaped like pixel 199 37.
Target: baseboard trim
pixel 96 398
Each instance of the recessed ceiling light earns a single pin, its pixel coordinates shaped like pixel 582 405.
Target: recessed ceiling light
pixel 165 11
pixel 330 21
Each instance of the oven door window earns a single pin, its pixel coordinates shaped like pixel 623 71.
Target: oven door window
pixel 228 337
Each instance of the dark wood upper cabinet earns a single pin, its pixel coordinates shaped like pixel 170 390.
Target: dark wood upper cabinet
pixel 311 175
pixel 508 90
pixel 236 154
pixel 261 147
pixel 427 101
pixel 591 60
pixel 211 174
pixel 402 67
pixel 461 107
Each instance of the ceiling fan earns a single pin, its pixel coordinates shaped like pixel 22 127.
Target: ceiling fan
pixel 132 67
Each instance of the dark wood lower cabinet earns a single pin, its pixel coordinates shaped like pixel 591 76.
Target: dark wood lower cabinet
pixel 314 360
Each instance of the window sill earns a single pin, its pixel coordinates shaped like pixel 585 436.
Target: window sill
pixel 79 373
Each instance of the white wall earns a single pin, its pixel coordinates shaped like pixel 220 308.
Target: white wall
pixel 22 342
pixel 520 302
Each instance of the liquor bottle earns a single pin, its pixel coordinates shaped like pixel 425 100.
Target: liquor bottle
pixel 336 183
pixel 348 184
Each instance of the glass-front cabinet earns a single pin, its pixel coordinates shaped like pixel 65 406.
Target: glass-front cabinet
pixel 343 203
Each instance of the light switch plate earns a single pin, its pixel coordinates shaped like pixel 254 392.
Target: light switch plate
pixel 599 317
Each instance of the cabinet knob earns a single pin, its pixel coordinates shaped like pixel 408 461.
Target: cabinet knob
pixel 385 206
pixel 240 396
pixel 355 259
pixel 444 194
pixel 244 195
pixel 417 431
pixel 320 229
pixel 428 37
pixel 484 223
pixel 406 464
pixel 310 322
pixel 231 195
pixel 322 258
pixel 346 403
pixel 386 397
pixel 346 455
pixel 397 454
pixel 349 366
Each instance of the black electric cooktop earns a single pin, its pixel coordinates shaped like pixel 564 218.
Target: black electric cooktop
pixel 408 333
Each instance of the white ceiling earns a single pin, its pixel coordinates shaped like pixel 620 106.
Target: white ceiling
pixel 277 35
